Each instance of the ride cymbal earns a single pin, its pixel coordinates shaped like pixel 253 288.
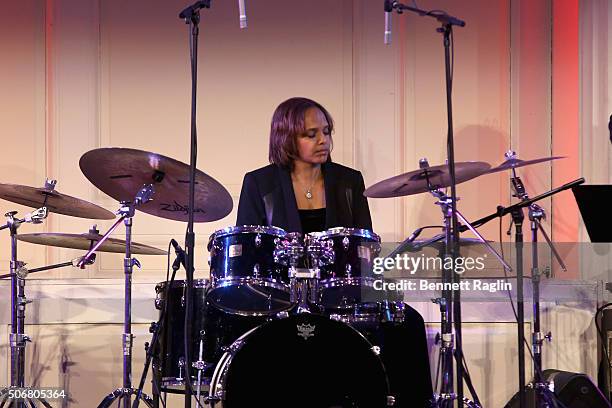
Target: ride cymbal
pixel 425 179
pixel 121 173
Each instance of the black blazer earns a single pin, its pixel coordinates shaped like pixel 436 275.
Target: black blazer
pixel 267 198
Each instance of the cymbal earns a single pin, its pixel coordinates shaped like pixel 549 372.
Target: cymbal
pixel 513 163
pixel 121 173
pixel 54 201
pixel 415 182
pixel 86 241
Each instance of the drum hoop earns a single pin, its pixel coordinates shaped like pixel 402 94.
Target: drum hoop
pixel 345 232
pixel 233 281
pixel 244 229
pixel 197 283
pixel 178 382
pixel 339 282
pixel 218 379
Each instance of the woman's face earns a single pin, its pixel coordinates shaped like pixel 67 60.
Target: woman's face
pixel 315 142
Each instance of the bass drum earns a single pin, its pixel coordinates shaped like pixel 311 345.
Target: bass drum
pixel 301 361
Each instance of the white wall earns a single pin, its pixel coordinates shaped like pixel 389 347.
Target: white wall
pixel 82 74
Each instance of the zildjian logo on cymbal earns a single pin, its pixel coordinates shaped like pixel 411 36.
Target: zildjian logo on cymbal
pixel 176 207
pixel 306 331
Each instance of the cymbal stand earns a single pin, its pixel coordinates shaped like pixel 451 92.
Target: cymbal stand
pixel 450 301
pixel 502 211
pixel 126 212
pixel 543 392
pixel 18 339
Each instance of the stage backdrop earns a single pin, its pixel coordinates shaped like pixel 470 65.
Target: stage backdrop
pixel 82 74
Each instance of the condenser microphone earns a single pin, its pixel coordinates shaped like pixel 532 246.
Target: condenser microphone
pixel 242 14
pixel 388 11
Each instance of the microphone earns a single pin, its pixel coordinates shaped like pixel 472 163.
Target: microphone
pixel 180 255
pixel 242 14
pixel 388 11
pixel 189 11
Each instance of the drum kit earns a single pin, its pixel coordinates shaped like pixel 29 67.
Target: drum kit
pixel 282 311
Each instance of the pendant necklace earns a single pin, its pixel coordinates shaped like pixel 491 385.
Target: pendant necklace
pixel 308 192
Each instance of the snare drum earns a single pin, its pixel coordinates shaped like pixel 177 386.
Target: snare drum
pixel 246 279
pixel 345 281
pixel 305 360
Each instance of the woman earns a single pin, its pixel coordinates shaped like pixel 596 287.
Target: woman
pixel 302 190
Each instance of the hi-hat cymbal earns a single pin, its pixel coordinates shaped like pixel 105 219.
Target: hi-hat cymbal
pixel 86 241
pixel 513 163
pixel 54 201
pixel 422 180
pixel 121 173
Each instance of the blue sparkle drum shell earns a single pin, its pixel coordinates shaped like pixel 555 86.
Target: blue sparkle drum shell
pixel 245 277
pixel 350 278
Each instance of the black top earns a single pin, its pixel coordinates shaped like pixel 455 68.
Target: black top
pixel 312 220
pixel 267 198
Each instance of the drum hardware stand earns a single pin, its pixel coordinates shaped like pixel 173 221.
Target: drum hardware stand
pixel 191 16
pixel 502 211
pixel 155 329
pixel 543 392
pixel 17 338
pixel 452 233
pixel 451 299
pixel 126 212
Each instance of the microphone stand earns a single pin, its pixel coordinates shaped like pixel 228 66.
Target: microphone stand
pixel 191 15
pixel 452 236
pixel 156 329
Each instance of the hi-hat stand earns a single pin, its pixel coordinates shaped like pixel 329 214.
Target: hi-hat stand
pixel 18 339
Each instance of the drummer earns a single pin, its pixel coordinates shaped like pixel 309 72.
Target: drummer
pixel 302 190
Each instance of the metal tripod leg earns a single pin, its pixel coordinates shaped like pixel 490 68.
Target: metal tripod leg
pixel 120 393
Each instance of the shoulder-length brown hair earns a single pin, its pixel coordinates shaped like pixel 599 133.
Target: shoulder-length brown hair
pixel 287 124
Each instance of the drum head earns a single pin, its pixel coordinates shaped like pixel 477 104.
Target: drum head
pixel 303 361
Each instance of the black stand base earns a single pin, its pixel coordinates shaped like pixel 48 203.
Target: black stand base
pixel 119 393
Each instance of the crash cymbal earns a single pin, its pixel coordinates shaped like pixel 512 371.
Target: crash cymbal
pixel 420 181
pixel 54 201
pixel 121 173
pixel 86 241
pixel 513 163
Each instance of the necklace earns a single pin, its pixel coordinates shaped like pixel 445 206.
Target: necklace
pixel 308 191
